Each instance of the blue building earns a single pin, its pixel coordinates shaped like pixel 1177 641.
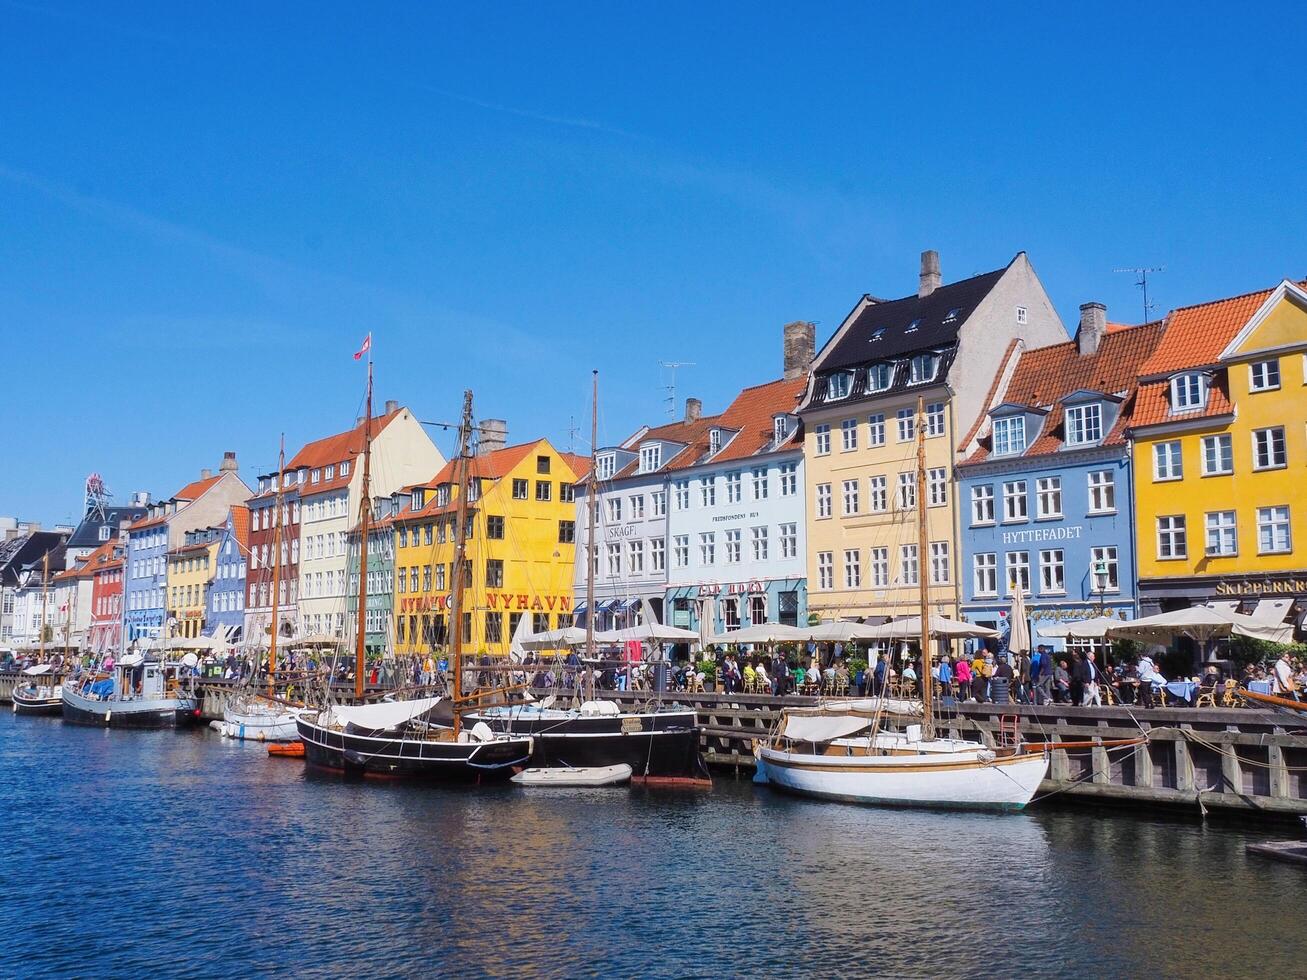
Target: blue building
pixel 1045 491
pixel 224 613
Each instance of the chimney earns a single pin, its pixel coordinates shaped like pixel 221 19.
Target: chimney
pixel 693 409
pixel 493 436
pixel 141 498
pixel 205 473
pixel 229 464
pixel 1092 329
pixel 929 281
pixel 800 346
pixel 391 406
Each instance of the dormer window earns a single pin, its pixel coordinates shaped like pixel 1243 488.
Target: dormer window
pixel 442 496
pixel 344 468
pixel 473 489
pixel 878 377
pixel 714 440
pixel 315 476
pixel 263 484
pixel 780 428
pixel 417 498
pixel 651 457
pixel 877 334
pixel 1084 425
pixel 838 385
pixel 1009 435
pixel 105 530
pixel 330 472
pixel 1188 391
pixel 304 476
pixel 923 368
pixel 605 466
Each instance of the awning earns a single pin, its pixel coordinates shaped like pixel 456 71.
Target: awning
pixel 822 728
pixel 626 605
pixel 579 610
pixel 607 607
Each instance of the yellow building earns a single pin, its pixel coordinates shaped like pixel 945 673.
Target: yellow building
pixel 190 570
pixel 520 549
pixel 1220 443
pixel 945 346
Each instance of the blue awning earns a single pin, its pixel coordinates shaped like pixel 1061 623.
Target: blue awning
pixel 579 610
pixel 626 605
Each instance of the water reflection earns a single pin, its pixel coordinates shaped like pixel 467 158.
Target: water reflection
pixel 207 857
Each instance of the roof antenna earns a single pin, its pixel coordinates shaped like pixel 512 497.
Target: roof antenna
pixel 670 388
pixel 1142 283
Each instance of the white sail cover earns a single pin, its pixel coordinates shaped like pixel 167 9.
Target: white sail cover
pixel 822 728
pixel 893 706
pixel 37 670
pixel 383 714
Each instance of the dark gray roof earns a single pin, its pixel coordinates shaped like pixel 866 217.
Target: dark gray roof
pixel 87 534
pixel 28 551
pixel 886 330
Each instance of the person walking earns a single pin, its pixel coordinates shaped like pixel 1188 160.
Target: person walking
pixel 1093 679
pixel 1079 675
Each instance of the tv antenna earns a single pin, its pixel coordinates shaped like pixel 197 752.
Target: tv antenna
pixel 1142 283
pixel 670 388
pixel 572 433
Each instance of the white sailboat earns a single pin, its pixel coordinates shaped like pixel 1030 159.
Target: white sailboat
pixel 842 751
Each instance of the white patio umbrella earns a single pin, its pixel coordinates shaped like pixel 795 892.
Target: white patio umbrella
pixel 941 627
pixel 839 631
pixel 1084 629
pixel 314 640
pixel 762 633
pixel 1018 640
pixel 649 631
pixel 1196 622
pixel 567 636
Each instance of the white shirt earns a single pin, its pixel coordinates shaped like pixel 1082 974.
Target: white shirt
pixel 1283 677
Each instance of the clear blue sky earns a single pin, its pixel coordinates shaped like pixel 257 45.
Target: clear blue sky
pixel 203 208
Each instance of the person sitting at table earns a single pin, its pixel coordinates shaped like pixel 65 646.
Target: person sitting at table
pixel 814 675
pixel 761 679
pixel 909 680
pixel 841 676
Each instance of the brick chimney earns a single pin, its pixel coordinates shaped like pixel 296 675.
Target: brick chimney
pixel 1092 329
pixel 493 436
pixel 693 409
pixel 800 346
pixel 929 279
pixel 229 464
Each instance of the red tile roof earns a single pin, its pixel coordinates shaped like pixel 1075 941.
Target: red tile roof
pixel 193 491
pixel 494 465
pixel 240 526
pixel 1048 374
pixel 141 523
pixel 751 413
pixel 342 445
pixel 1196 335
pixel 92 563
pixel 1153 406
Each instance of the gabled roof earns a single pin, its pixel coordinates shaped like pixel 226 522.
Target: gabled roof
pixel 685 433
pixel 1196 335
pixel 1153 403
pixel 854 343
pixel 96 561
pixel 196 489
pixel 240 526
pixel 1047 375
pixel 750 415
pixel 342 445
pixel 494 465
pixel 29 550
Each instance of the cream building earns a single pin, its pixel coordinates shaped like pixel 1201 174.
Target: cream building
pixel 946 349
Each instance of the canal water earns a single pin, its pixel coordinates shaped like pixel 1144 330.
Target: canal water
pixel 134 854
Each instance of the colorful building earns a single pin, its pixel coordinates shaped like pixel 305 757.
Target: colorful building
pixel 106 564
pixel 942 347
pixel 520 551
pixel 1220 445
pixel 1046 489
pixel 269 544
pixel 190 570
pixel 402 455
pixel 224 613
pixel 378 637
pixel 200 504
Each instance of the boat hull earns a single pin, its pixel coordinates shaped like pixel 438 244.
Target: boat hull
pixel 40 699
pixel 139 713
pixel 411 758
pixel 658 746
pixel 259 726
pixel 961 781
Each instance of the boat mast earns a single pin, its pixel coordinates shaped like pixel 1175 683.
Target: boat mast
pixel 276 569
pixel 592 511
pixel 45 598
pixel 923 547
pixel 365 514
pixel 460 549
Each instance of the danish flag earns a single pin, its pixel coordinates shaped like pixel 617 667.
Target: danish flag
pixel 367 346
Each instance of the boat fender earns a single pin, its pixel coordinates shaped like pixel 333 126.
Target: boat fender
pixel 986 755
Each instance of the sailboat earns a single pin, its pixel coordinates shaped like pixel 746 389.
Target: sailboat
pixel 249 714
pixel 844 751
pixel 37 689
pixel 661 745
pixel 402 738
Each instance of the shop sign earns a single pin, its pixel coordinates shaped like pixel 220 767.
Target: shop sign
pixel 1254 587
pixel 507 601
pixel 1063 532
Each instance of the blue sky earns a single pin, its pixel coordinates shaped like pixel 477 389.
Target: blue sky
pixel 204 208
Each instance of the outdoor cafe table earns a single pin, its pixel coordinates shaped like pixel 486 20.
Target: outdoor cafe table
pixel 1260 687
pixel 1184 690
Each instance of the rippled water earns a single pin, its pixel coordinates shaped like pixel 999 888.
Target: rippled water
pixel 161 853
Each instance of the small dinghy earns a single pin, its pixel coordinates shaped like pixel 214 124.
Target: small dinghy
pixel 569 776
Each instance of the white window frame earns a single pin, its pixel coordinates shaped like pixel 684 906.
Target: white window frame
pixel 1052 572
pixel 1084 424
pixel 821 439
pixel 1168 461
pixel 876 429
pixel 1048 498
pixel 823 501
pixel 1223 444
pixel 1266 439
pixel 1189 392
pixel 825 570
pixel 839 385
pixel 848 435
pixel 1008 435
pixel 850 497
pixel 1016 502
pixel 1270 519
pixel 878 567
pixel 877 494
pixel 852 568
pixel 1262 380
pixel 1172 537
pixel 982 504
pixel 1220 534
pixel 984 573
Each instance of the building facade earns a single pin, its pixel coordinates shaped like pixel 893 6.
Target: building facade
pixel 402 455
pixel 190 571
pixel 271 544
pixel 106 598
pixel 378 636
pixel 200 504
pixel 1220 444
pixel 519 553
pixel 23 546
pixel 224 613
pixel 1046 490
pixel 942 350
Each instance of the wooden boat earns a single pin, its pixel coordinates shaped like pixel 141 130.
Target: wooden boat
pixel 574 777
pixel 400 738
pixel 823 752
pixel 136 694
pixel 38 691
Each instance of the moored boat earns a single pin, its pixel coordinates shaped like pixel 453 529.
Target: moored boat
pixel 136 694
pixel 250 716
pixel 563 777
pixel 37 691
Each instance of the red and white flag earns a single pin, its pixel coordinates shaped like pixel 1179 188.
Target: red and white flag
pixel 367 346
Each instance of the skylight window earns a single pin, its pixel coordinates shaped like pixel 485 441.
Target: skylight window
pixel 913 325
pixel 877 334
pixel 953 314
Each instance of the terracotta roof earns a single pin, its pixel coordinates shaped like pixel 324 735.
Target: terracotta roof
pixel 686 433
pixel 580 464
pixel 91 564
pixel 342 445
pixel 751 413
pixel 1196 335
pixel 240 526
pixel 144 522
pixel 494 465
pixel 193 491
pixel 1153 405
pixel 1048 374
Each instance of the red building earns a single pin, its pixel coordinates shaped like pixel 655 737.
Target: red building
pixel 263 553
pixel 106 567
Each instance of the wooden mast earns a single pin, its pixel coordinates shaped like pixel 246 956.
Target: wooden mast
pixel 365 515
pixel 276 569
pixel 45 598
pixel 923 547
pixel 592 510
pixel 460 549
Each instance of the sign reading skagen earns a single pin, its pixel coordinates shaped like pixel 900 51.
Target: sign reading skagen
pixel 1060 533
pixel 622 531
